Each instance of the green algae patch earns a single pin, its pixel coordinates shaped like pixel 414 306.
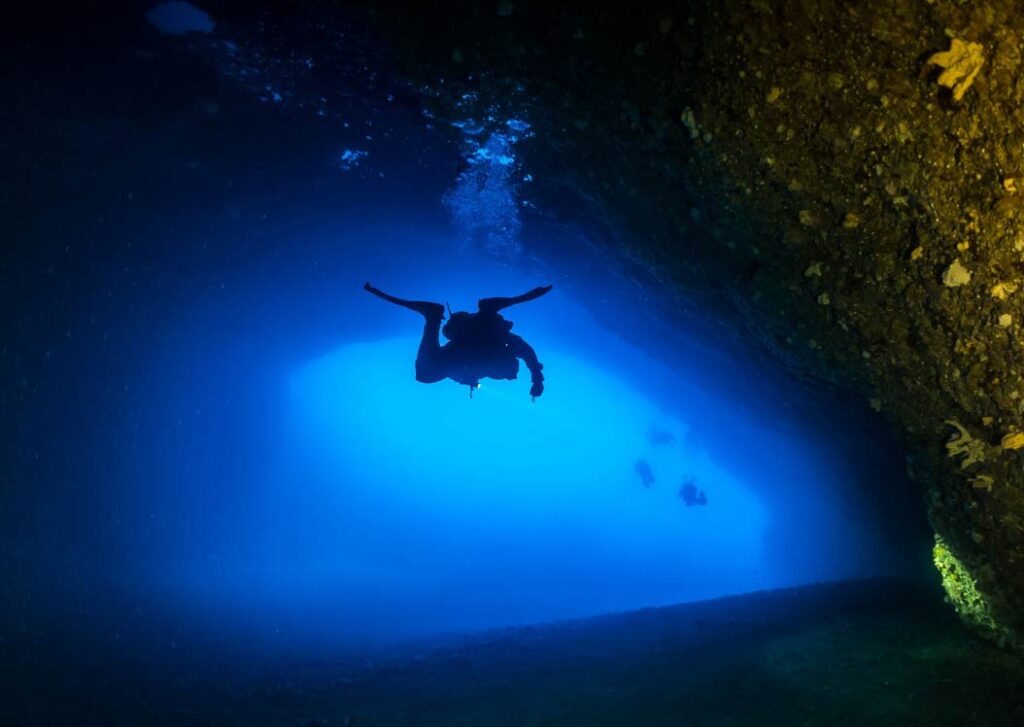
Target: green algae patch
pixel 962 592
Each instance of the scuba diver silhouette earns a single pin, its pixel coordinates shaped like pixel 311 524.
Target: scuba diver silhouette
pixel 480 345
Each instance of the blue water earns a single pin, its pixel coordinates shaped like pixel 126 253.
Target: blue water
pixel 312 492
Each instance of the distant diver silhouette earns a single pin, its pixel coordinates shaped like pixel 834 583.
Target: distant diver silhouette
pixel 480 345
pixel 643 469
pixel 690 495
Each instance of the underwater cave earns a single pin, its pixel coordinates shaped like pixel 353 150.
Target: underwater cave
pixel 753 458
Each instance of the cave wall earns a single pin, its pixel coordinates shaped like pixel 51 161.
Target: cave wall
pixel 842 199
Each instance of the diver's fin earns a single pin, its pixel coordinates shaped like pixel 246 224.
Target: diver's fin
pixel 493 305
pixel 425 308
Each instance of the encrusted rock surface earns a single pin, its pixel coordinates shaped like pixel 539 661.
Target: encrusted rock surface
pixel 842 183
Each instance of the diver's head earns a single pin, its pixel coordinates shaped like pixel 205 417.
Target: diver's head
pixel 457 326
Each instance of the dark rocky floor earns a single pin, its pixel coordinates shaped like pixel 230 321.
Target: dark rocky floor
pixel 877 652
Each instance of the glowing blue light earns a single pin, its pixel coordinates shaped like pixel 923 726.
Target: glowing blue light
pixel 358 503
pixel 536 505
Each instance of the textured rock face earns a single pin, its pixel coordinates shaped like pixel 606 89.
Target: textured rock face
pixel 842 183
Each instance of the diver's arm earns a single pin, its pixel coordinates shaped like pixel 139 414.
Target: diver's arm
pixel 524 351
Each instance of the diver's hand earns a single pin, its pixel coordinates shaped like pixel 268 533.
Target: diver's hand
pixel 537 377
pixel 368 288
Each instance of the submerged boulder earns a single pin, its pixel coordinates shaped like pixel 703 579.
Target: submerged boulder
pixel 816 175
